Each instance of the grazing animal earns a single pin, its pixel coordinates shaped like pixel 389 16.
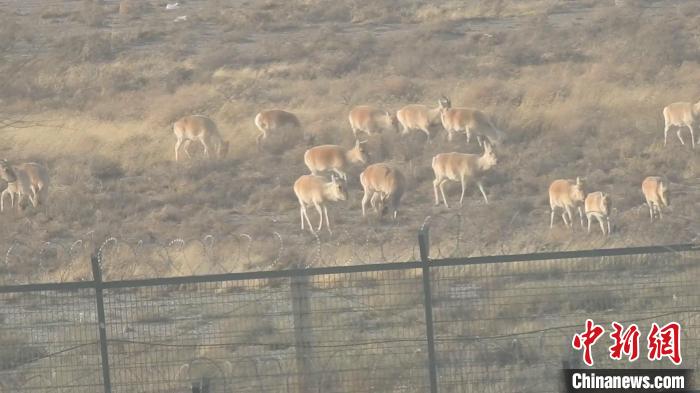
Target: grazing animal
pixel 272 121
pixel 566 194
pixel 420 117
pixel 469 120
pixel 317 191
pixel 334 158
pixel 30 179
pixel 202 129
pixel 371 120
pixel 656 194
pixel 599 205
pixel 382 184
pixel 462 167
pixel 681 114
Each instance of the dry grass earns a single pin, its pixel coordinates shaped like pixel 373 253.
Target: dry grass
pixel 578 88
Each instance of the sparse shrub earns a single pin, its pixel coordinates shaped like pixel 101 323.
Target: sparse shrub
pixel 105 169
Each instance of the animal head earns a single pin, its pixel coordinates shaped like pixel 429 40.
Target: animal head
pixel 358 154
pixel 444 103
pixel 393 121
pixel 6 171
pixel 489 155
pixel 336 190
pixel 577 190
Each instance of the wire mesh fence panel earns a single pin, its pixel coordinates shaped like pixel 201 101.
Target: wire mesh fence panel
pixel 49 342
pixel 226 335
pixel 367 332
pixel 509 326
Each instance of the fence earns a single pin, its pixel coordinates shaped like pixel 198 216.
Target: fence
pixel 494 324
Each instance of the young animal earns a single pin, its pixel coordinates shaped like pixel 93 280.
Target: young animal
pixel 599 205
pixel 469 120
pixel 566 194
pixel 202 129
pixel 656 194
pixel 382 184
pixel 334 158
pixel 30 179
pixel 316 191
pixel 462 167
pixel 420 117
pixel 274 121
pixel 371 120
pixel 681 114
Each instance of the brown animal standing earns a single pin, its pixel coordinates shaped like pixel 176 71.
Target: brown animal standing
pixel 599 205
pixel 420 117
pixel 681 114
pixel 334 158
pixel 383 187
pixel 30 179
pixel 274 122
pixel 468 120
pixel 566 194
pixel 371 120
pixel 317 191
pixel 202 129
pixel 656 194
pixel 462 167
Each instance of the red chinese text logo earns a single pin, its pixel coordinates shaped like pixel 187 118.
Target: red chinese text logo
pixel 662 342
pixel 665 342
pixel 587 339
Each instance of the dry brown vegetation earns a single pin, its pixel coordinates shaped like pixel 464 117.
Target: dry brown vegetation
pixel 578 87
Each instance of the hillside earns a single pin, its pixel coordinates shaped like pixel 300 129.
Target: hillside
pixel 578 87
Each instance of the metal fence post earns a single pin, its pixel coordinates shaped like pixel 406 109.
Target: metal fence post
pixel 424 244
pixel 97 279
pixel 302 332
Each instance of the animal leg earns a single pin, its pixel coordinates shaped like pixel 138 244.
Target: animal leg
pixel 328 223
pixel 464 186
pixel 2 200
pixel 551 219
pixel 436 182
pixel 177 147
pixel 427 132
pixel 567 211
pixel 692 135
pixel 680 138
pixel 320 214
pixel 186 148
pixel 608 221
pixel 580 215
pixel 666 128
pixel 365 198
pixel 340 173
pixel 206 147
pixel 651 211
pixel 481 188
pixel 469 134
pixel 480 140
pixel 589 222
pixel 442 191
pixel 600 221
